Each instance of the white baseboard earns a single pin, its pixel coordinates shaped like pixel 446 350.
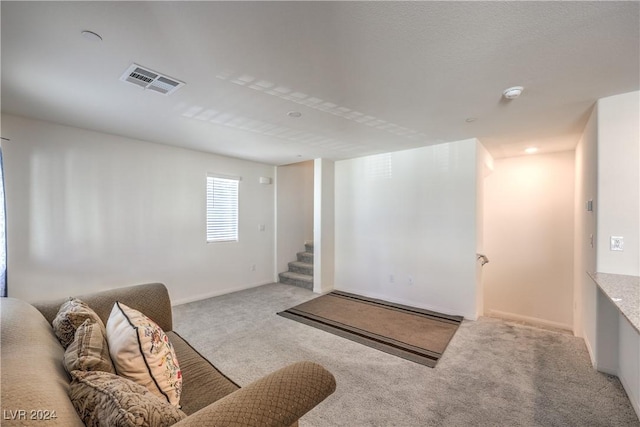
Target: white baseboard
pixel 530 320
pixel 216 293
pixel 609 370
pixel 592 355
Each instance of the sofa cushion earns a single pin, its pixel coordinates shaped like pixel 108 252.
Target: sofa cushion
pixel 203 383
pixel 105 399
pixel 142 352
pixel 71 315
pixel 89 350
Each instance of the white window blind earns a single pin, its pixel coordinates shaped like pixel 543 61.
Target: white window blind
pixel 222 209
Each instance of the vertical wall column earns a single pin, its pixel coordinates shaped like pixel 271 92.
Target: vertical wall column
pixel 323 225
pixel 484 167
pixel 584 293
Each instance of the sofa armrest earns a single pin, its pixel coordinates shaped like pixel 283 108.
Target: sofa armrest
pixel 277 399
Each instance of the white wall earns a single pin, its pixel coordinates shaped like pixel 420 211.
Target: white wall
pixel 294 211
pixel 619 182
pixel 411 215
pixel 88 211
pixel 324 226
pixel 529 211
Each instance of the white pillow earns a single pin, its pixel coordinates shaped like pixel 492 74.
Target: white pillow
pixel 141 352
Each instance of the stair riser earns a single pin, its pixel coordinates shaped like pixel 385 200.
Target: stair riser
pixel 298 283
pixel 301 270
pixel 305 257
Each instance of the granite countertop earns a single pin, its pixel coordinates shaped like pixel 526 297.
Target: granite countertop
pixel 624 292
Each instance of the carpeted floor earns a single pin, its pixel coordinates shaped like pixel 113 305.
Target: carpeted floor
pixel 493 373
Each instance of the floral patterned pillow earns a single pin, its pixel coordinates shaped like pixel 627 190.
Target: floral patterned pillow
pixel 141 352
pixel 105 399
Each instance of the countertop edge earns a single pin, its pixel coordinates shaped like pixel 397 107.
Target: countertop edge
pixel 612 285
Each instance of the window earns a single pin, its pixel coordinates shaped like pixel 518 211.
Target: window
pixel 222 209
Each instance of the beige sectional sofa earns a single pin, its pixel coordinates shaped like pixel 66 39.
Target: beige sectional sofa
pixel 35 385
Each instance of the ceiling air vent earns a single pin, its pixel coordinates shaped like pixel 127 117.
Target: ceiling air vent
pixel 147 79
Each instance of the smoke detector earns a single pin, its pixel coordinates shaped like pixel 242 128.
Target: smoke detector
pixel 152 80
pixel 513 92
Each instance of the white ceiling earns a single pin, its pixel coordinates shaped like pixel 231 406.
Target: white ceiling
pixel 368 77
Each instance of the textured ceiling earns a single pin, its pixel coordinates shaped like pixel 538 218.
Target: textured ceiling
pixel 368 77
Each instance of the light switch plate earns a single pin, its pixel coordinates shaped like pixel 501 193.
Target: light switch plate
pixel 617 243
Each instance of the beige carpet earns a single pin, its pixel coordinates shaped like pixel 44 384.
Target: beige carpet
pixel 408 332
pixel 493 373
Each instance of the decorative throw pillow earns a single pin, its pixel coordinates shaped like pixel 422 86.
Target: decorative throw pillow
pixel 71 315
pixel 107 400
pixel 141 351
pixel 89 350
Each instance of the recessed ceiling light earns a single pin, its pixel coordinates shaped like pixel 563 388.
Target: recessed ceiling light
pixel 531 150
pixel 90 35
pixel 513 92
pixel 294 114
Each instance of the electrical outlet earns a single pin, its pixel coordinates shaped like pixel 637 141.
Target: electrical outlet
pixel 411 280
pixel 391 278
pixel 617 243
pixel 253 267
